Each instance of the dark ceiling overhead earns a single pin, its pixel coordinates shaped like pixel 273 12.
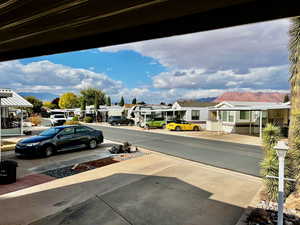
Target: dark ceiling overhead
pixel 38 27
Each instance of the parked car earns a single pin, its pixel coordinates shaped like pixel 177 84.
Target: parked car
pixel 120 120
pixel 60 138
pixel 182 125
pixel 58 119
pixel 156 123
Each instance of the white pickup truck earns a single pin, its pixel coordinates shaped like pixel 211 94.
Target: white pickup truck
pixel 58 119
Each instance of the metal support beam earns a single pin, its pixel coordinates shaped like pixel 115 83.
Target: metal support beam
pixel 260 124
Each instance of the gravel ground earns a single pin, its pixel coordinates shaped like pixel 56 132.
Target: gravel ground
pixel 62 172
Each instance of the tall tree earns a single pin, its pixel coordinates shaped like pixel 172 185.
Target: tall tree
pixel 55 102
pixel 134 101
pixel 108 101
pixel 90 94
pixel 68 100
pixel 37 104
pixel 294 127
pixel 97 102
pixel 82 103
pixel 122 102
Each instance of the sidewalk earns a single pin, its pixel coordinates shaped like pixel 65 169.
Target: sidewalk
pixel 154 189
pixel 203 134
pixel 25 182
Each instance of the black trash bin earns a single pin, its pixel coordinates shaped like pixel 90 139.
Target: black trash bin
pixel 8 171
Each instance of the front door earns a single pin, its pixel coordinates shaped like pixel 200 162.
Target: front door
pixel 65 138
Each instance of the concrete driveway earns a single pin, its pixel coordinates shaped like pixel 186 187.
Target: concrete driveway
pixel 31 165
pixel 154 189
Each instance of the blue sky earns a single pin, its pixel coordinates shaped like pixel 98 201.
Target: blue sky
pixel 129 66
pixel 252 57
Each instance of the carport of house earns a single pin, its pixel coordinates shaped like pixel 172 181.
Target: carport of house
pixel 166 114
pixel 249 120
pixel 12 112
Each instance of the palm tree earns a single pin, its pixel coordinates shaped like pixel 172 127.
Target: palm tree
pixel 294 127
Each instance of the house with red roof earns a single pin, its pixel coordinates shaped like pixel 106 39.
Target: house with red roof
pixel 277 97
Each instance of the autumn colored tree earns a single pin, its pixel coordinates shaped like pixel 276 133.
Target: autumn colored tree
pixel 49 105
pixel 68 100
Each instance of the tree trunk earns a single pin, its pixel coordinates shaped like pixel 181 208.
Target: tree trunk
pixel 293 155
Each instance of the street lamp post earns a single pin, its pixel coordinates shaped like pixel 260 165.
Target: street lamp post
pixel 281 150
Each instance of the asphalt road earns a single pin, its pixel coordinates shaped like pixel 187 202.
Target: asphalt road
pixel 237 157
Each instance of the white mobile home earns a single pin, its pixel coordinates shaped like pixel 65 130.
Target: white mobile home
pixel 247 117
pixel 196 112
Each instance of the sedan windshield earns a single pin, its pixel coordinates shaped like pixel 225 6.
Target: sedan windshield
pixel 50 132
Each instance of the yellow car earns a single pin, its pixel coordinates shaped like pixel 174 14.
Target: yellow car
pixel 182 125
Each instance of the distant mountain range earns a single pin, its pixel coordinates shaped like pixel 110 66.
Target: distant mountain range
pixel 209 99
pixel 44 96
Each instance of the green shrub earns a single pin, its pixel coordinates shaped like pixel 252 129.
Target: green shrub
pixel 269 165
pixel 71 122
pixel 75 118
pixel 88 119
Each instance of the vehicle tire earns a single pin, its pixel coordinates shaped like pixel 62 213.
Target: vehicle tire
pixel 196 128
pixel 147 126
pixel 130 123
pixel 114 124
pixel 164 126
pixel 92 144
pixel 177 128
pixel 48 151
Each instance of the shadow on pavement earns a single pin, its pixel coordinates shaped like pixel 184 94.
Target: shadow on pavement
pixel 120 199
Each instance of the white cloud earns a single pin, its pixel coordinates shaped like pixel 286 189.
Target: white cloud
pixel 274 77
pixel 54 78
pixel 242 47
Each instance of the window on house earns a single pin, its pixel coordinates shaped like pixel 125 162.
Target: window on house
pixel 244 115
pixel 195 115
pixel 231 116
pixel 224 116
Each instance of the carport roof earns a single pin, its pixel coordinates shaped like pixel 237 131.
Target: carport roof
pixel 14 101
pixel 38 27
